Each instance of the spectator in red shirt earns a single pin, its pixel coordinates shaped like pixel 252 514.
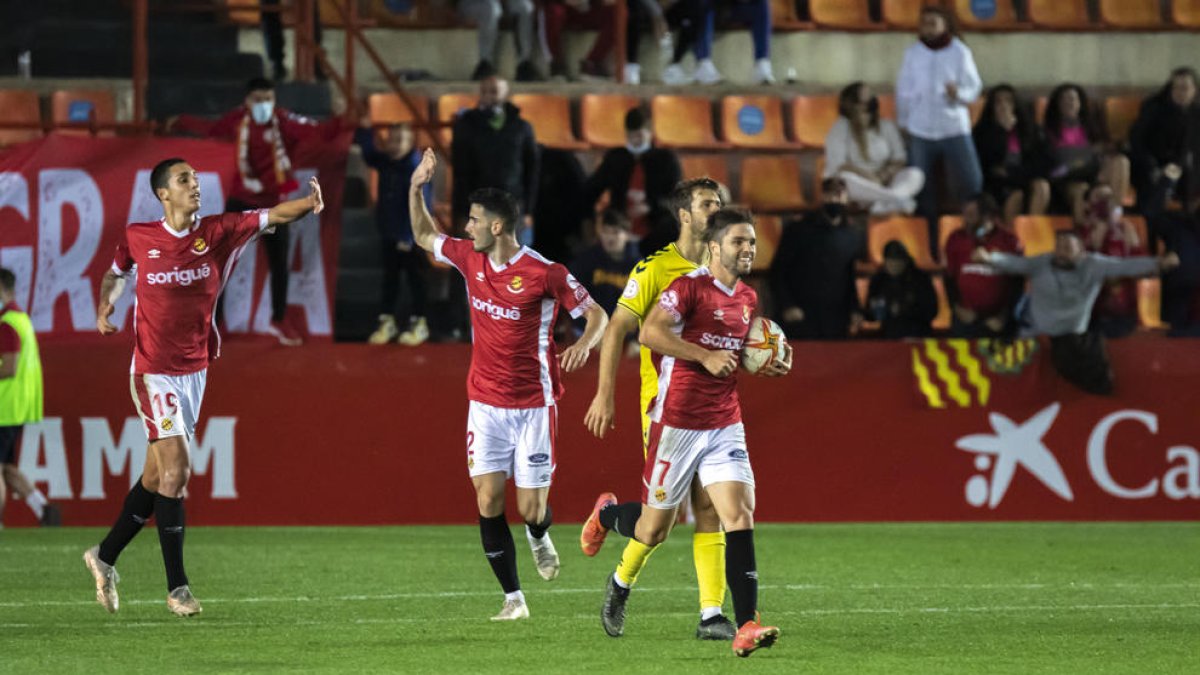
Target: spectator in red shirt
pixel 982 298
pixel 1105 230
pixel 266 136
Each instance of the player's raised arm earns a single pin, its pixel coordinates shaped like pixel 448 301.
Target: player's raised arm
pixel 286 212
pixel 576 355
pixel 424 231
pixel 602 411
pixel 111 287
pixel 658 337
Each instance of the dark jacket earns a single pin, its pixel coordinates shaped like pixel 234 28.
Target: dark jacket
pixel 1163 134
pixel 506 158
pixel 813 269
pixel 395 175
pixel 1178 231
pixel 991 144
pixel 662 171
pixel 603 277
pixel 905 305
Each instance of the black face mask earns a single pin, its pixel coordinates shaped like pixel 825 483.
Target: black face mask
pixel 833 211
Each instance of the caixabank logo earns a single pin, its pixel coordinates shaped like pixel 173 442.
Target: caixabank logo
pixel 1015 451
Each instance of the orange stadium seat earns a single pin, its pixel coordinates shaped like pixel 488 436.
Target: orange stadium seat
pixel 1005 17
pixel 602 118
pixel 712 165
pixel 1186 13
pixel 767 230
pixel 23 106
pixel 812 118
pixel 1036 233
pixel 841 14
pixel 754 122
pixel 783 16
pixel 946 226
pixel 82 105
pixel 390 109
pixel 904 14
pixel 887 106
pixel 448 107
pixel 818 176
pixel 550 117
pixel 976 108
pixel 912 232
pixel 771 183
pixel 1150 302
pixel 1120 112
pixel 1140 14
pixel 1059 14
pixel 943 319
pixel 1039 108
pixel 684 122
pixel 244 12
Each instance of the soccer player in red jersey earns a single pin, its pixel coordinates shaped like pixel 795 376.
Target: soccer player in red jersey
pixel 697 331
pixel 181 264
pixel 513 383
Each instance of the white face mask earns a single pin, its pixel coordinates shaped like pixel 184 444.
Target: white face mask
pixel 638 149
pixel 261 112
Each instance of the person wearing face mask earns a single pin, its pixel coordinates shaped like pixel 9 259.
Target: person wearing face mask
pixel 812 274
pixel 266 136
pixel 1166 134
pixel 937 81
pixel 639 179
pixel 1006 139
pixel 900 296
pixel 982 300
pixel 1105 230
pixel 1063 287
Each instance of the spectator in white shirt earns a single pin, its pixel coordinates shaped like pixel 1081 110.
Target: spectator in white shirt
pixel 937 81
pixel 868 153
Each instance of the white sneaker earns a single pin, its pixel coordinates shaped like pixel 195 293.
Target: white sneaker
pixel 762 72
pixel 544 555
pixel 632 74
pixel 181 602
pixel 676 76
pixel 106 579
pixel 386 332
pixel 512 610
pixel 707 73
pixel 416 334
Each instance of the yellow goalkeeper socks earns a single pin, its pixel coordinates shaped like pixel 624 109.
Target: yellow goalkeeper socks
pixel 708 551
pixel 632 560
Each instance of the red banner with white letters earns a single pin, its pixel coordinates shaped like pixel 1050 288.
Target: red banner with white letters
pixel 64 200
pixel 353 434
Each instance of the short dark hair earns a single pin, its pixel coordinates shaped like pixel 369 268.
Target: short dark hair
pixel 681 196
pixel 259 84
pixel 615 218
pixel 988 206
pixel 162 173
pixel 500 204
pixel 947 16
pixel 721 221
pixel 832 182
pixel 636 118
pixel 8 280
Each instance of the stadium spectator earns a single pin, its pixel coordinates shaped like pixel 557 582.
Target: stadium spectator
pixel 639 179
pixel 981 301
pixel 266 137
pixel 937 81
pixel 661 18
pixel 1180 232
pixel 20 400
pixel 1006 140
pixel 485 14
pixel 812 275
pixel 1073 152
pixel 868 153
pixel 603 268
pixel 1105 230
pixel 494 147
pixel 1167 131
pixel 1063 286
pixel 596 15
pixel 272 30
pixel 900 296
pixel 754 13
pixel 394 163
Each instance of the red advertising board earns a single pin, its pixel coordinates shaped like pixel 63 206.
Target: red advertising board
pixel 354 434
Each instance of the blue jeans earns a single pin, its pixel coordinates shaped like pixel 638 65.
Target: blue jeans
pixel 754 13
pixel 962 166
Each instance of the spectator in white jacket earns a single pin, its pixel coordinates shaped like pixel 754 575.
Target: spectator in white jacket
pixel 937 81
pixel 868 153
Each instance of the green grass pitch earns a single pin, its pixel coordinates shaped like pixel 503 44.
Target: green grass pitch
pixel 885 598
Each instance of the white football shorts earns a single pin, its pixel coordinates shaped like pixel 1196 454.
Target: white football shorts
pixel 675 455
pixel 169 405
pixel 517 441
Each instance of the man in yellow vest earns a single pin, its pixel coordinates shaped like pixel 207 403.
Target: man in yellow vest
pixel 20 399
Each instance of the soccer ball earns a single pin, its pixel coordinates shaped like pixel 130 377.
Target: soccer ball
pixel 764 342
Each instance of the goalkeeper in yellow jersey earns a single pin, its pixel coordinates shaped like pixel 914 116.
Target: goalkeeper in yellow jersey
pixel 692 202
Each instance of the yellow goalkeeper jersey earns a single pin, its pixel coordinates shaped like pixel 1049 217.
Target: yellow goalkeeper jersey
pixel 649 278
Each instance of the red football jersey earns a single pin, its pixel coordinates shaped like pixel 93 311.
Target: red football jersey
pixel 712 316
pixel 513 309
pixel 179 276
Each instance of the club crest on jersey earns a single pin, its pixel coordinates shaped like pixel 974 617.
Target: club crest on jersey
pixel 199 246
pixel 745 313
pixel 660 495
pixel 154 253
pixel 517 285
pixel 166 424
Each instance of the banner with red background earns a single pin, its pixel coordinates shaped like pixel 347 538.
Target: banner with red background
pixel 65 199
pixel 354 434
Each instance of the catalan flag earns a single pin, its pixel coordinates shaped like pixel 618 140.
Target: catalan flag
pixel 961 373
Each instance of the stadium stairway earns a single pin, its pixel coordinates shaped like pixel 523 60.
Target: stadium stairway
pixel 360 272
